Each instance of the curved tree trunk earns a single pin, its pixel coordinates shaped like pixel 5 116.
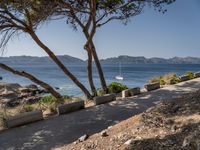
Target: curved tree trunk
pixel 46 86
pixel 60 65
pixel 90 78
pixel 97 62
pixel 99 69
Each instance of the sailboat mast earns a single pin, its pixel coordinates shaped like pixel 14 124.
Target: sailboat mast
pixel 120 71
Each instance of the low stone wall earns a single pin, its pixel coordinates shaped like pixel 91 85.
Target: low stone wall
pixel 152 86
pixel 197 74
pixel 24 118
pixel 184 78
pixel 67 108
pixel 104 99
pixel 130 92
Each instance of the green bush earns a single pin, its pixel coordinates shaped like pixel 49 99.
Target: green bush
pixel 190 74
pixel 116 87
pixel 48 99
pixel 100 92
pixel 26 108
pixel 2 120
pixel 113 87
pixel 162 82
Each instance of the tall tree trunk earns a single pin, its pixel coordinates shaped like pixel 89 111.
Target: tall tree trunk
pixel 60 65
pixel 90 77
pixel 97 62
pixel 99 69
pixel 46 86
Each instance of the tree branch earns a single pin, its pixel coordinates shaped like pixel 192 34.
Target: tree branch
pixel 46 86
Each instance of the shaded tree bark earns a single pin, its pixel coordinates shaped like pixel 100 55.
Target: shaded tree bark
pixel 99 69
pixel 89 34
pixel 90 46
pixel 90 75
pixel 46 86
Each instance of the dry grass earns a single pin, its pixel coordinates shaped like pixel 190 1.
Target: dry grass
pixel 165 79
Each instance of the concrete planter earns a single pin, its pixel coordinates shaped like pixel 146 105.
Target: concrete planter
pixel 130 92
pixel 197 74
pixel 67 108
pixel 104 99
pixel 24 118
pixel 184 78
pixel 171 82
pixel 152 86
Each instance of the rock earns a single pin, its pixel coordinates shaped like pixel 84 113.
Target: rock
pixel 42 91
pixel 110 127
pixel 32 86
pixel 174 109
pixel 31 100
pixel 25 90
pixel 9 86
pixel 9 95
pixel 129 142
pixel 104 133
pixel 57 88
pixel 186 141
pixel 83 138
pixel 75 142
pixel 9 102
pixel 24 95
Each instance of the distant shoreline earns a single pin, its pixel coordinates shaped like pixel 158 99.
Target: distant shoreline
pixel 124 59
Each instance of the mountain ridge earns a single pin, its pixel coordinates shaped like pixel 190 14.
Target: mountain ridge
pixel 124 59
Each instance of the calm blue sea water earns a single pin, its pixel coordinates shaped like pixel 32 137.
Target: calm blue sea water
pixel 134 74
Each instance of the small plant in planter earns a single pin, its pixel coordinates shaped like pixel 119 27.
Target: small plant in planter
pixel 2 120
pixel 49 103
pixel 170 78
pixel 26 108
pixel 190 74
pixel 114 87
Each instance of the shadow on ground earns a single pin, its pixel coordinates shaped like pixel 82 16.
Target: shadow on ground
pixel 57 131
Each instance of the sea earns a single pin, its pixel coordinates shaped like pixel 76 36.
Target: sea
pixel 135 75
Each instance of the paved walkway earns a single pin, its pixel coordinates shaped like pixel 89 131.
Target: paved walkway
pixel 64 129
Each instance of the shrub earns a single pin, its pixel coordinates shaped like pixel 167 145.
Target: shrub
pixel 154 79
pixel 170 78
pixel 48 99
pixel 27 108
pixel 116 87
pixel 190 74
pixel 51 99
pixel 2 120
pixel 162 82
pixel 113 87
pixel 100 92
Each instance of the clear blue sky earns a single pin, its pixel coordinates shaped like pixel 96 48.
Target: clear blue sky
pixel 151 34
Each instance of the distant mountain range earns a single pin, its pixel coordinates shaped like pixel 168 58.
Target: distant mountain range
pixel 114 60
pixel 142 60
pixel 39 60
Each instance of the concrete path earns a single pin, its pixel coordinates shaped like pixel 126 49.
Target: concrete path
pixel 64 129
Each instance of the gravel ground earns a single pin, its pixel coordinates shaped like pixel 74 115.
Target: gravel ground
pixel 173 125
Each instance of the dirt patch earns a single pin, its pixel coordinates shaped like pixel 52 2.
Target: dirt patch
pixel 173 125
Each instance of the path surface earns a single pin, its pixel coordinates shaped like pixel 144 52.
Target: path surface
pixel 65 129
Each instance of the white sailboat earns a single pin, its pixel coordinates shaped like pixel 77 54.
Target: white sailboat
pixel 119 77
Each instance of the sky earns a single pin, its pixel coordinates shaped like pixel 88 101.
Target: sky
pixel 150 34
